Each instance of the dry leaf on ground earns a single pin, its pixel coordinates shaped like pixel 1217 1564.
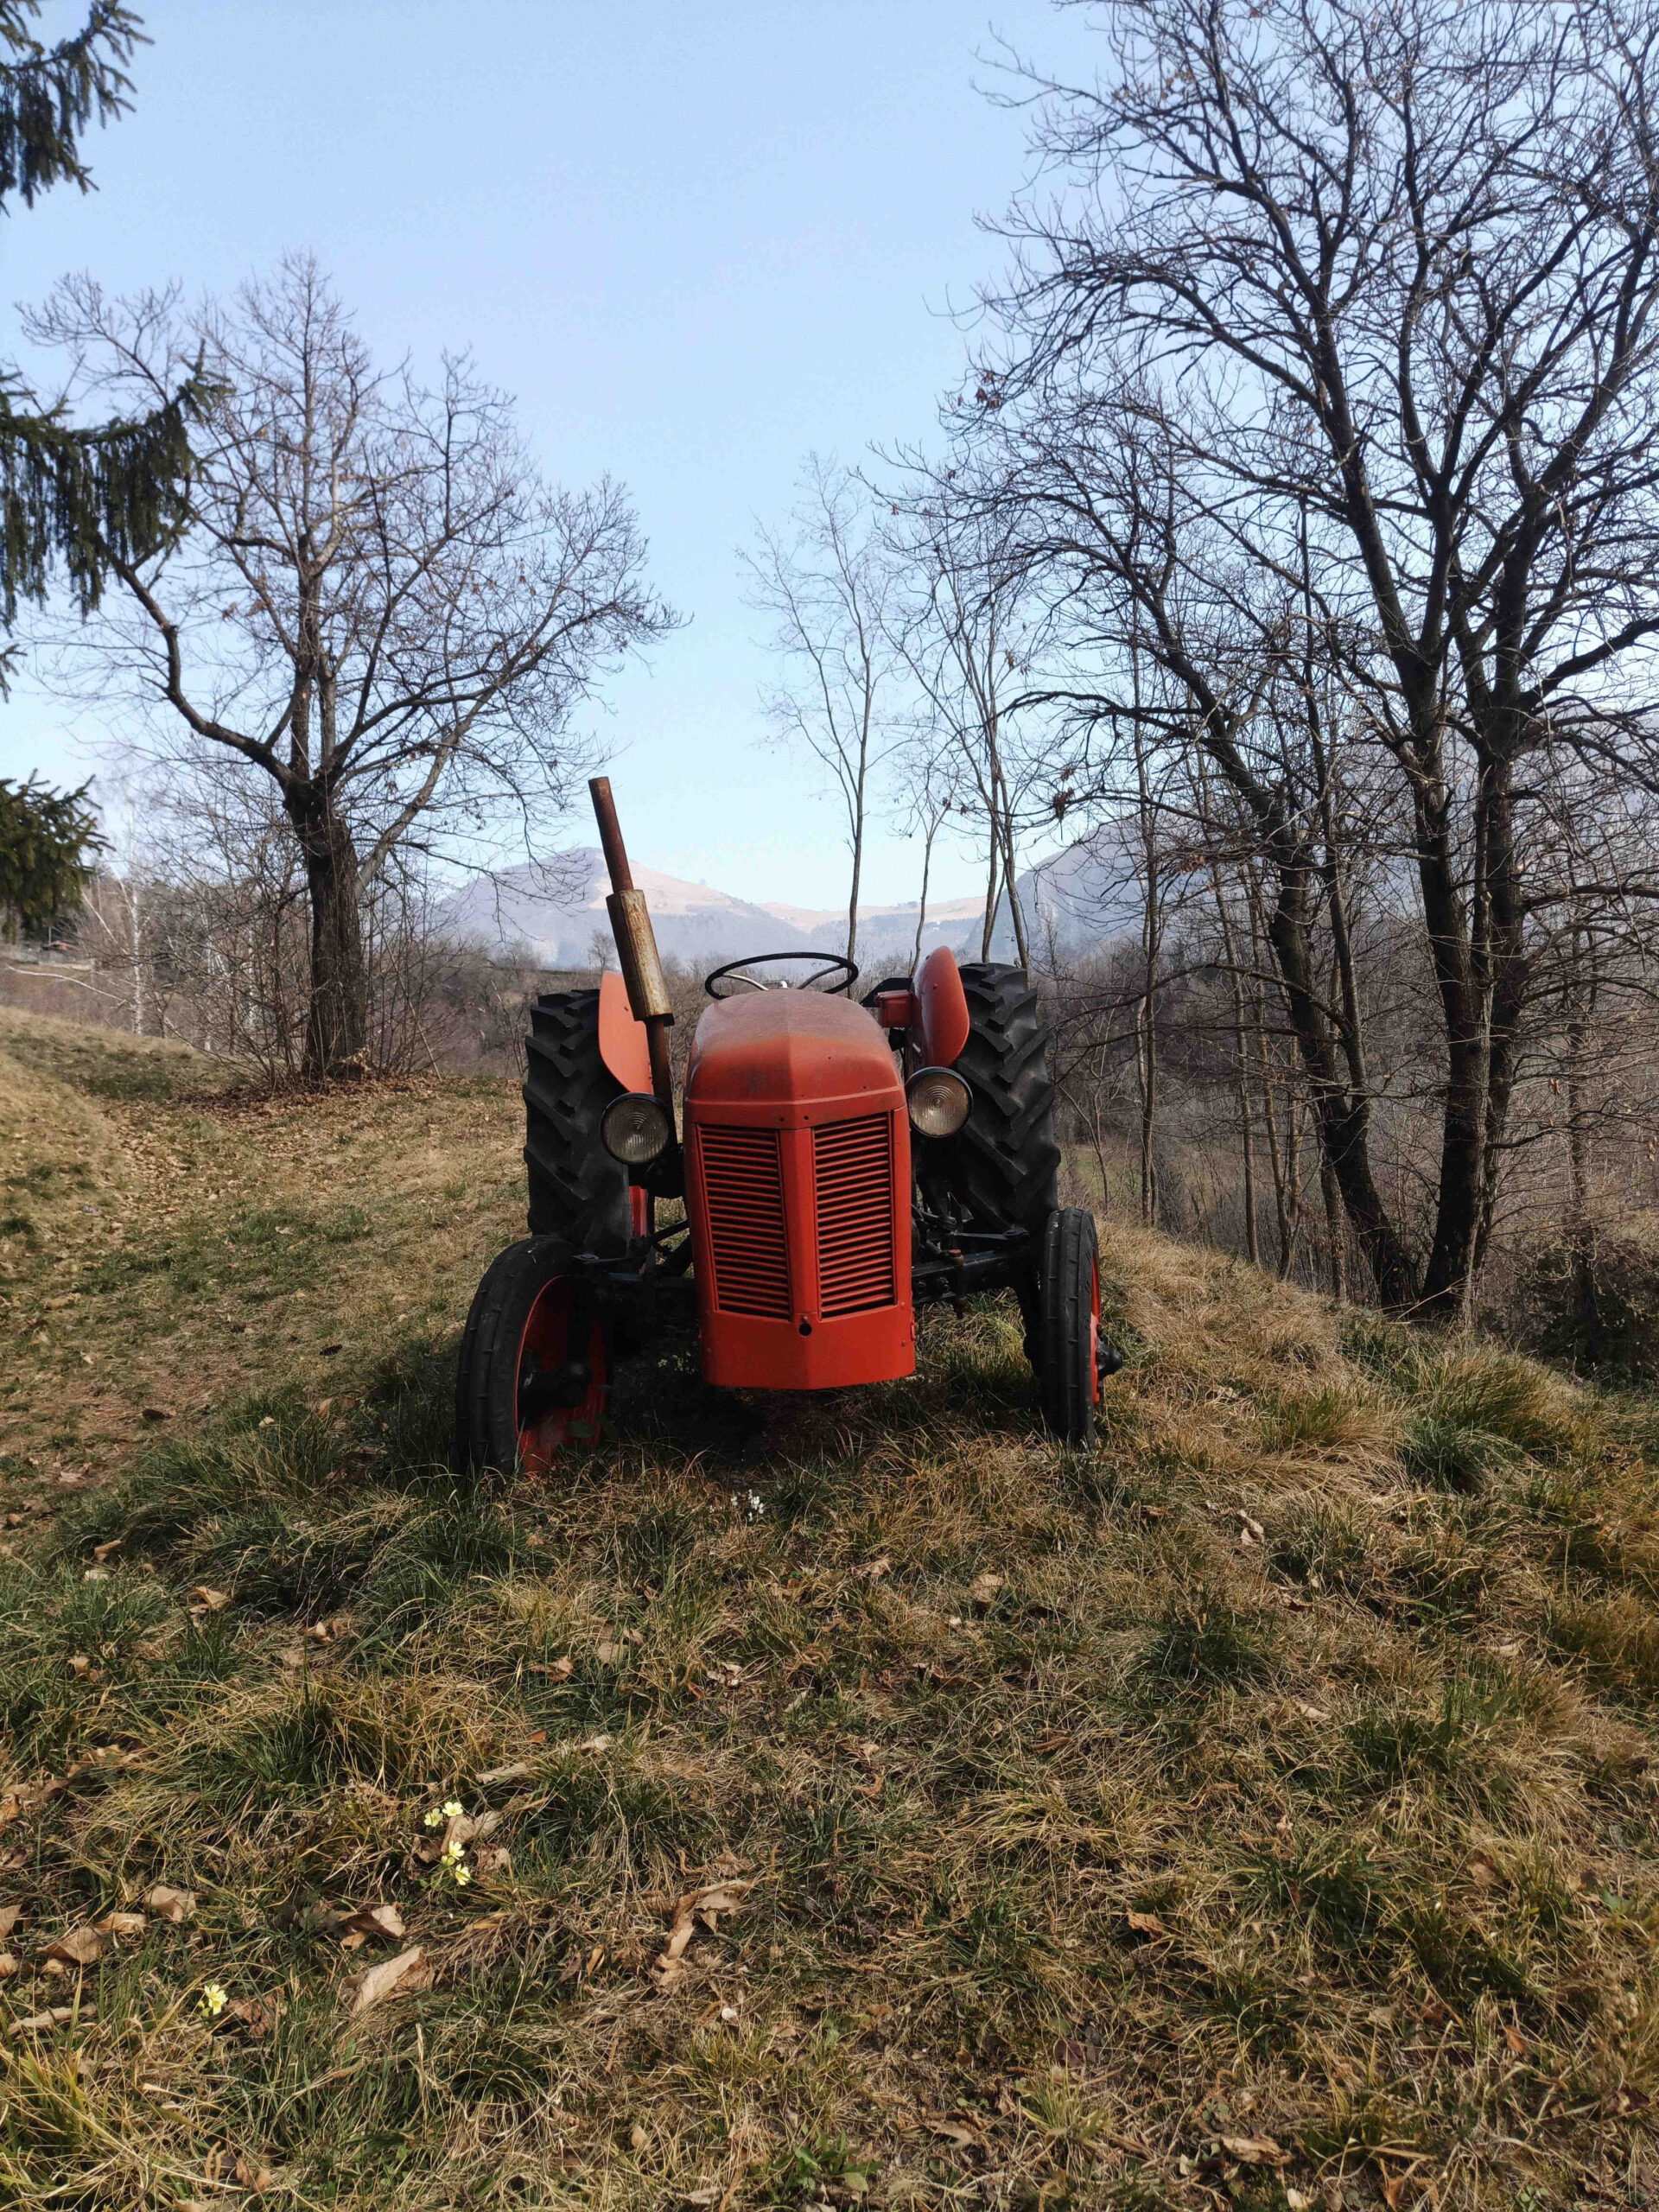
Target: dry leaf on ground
pixel 518 1771
pixel 705 1905
pixel 1146 1923
pixel 123 1924
pixel 10 1916
pixel 965 2138
pixel 1254 2149
pixel 213 1601
pixel 171 1905
pixel 985 1586
pixel 258 2015
pixel 37 2022
pixel 383 1921
pixel 77 1947
pixel 408 1971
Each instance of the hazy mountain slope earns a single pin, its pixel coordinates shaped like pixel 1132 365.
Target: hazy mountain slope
pixel 554 909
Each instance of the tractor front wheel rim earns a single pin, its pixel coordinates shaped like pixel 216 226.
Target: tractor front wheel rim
pixel 543 1349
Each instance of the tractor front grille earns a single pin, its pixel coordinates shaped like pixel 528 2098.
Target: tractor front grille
pixel 853 1167
pixel 743 1198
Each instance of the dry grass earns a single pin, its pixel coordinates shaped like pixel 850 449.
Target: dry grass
pixel 1276 1773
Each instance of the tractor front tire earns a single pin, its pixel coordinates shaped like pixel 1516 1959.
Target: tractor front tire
pixel 1068 1326
pixel 1002 1166
pixel 576 1190
pixel 526 1392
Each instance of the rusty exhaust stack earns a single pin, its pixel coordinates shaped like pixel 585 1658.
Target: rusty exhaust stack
pixel 636 945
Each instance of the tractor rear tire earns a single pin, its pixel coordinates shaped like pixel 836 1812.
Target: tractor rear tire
pixel 576 1190
pixel 1068 1326
pixel 517 1335
pixel 1002 1166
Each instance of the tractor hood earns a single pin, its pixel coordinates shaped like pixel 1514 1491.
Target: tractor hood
pixel 794 1051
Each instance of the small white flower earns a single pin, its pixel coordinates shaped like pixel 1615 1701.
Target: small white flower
pixel 214 1999
pixel 463 1875
pixel 757 1505
pixel 451 1809
pixel 435 1819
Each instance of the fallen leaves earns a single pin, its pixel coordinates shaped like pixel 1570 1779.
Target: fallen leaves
pixel 209 1601
pixel 167 1903
pixel 402 1976
pixel 382 1923
pixel 156 1414
pixel 1254 2149
pixel 257 2014
pixel 39 2023
pixel 77 1947
pixel 123 1924
pixel 519 1770
pixel 1145 1924
pixel 696 1907
pixel 984 1587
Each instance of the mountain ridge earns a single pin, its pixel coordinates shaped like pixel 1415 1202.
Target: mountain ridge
pixel 549 913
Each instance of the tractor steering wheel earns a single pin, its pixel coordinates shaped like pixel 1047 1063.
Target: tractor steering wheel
pixel 835 965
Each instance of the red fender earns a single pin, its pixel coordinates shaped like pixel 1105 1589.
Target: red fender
pixel 943 1006
pixel 622 1045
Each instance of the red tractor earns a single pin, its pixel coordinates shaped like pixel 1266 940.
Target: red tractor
pixel 841 1164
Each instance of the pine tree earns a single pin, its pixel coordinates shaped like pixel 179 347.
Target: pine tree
pixel 70 495
pixel 47 839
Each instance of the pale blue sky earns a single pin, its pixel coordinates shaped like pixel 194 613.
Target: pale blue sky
pixel 695 240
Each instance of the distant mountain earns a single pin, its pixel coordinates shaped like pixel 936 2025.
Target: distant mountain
pixel 1086 895
pixel 551 912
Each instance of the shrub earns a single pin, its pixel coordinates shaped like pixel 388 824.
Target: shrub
pixel 1599 1307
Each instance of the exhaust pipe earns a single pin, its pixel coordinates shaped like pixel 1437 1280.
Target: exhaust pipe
pixel 636 946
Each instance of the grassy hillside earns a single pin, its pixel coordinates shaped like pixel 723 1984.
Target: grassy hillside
pixel 1258 1811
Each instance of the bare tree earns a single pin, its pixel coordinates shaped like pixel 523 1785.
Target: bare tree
pixel 378 605
pixel 827 584
pixel 962 619
pixel 1339 342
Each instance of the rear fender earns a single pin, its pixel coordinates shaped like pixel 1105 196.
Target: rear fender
pixel 942 1005
pixel 622 1044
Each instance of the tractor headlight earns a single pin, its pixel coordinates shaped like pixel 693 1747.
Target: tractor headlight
pixel 634 1129
pixel 938 1101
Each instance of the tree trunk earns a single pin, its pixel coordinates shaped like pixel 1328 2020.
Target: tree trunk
pixel 1580 1237
pixel 1241 1076
pixel 1343 1116
pixel 1335 1229
pixel 337 1010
